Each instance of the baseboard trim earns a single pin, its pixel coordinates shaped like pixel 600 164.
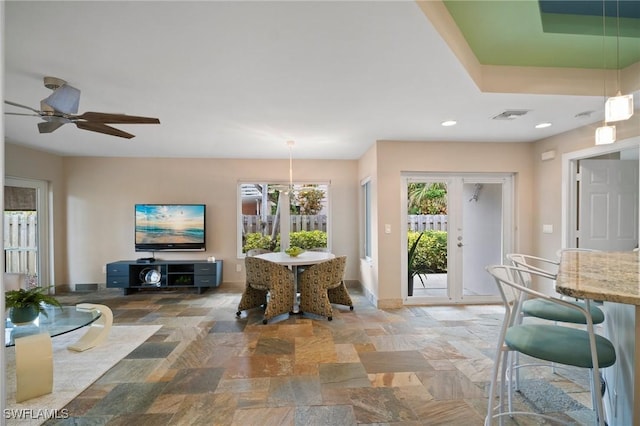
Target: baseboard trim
pixel 390 303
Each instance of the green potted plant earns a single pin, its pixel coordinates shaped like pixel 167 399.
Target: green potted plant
pixel 411 265
pixel 26 304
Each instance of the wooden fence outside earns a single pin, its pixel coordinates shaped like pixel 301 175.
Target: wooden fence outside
pixel 20 242
pixel 253 223
pixel 427 222
pixel 418 223
pixel 21 250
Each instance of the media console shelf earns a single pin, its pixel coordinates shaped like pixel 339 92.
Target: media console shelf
pixel 131 275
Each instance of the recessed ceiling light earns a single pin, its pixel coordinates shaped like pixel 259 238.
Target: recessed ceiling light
pixel 543 125
pixel 449 123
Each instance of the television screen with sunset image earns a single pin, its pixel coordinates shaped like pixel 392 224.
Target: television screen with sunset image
pixel 170 227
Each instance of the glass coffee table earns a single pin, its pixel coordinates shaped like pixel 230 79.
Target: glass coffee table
pixel 34 350
pixel 58 321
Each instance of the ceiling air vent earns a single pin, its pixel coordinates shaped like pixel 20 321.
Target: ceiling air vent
pixel 511 114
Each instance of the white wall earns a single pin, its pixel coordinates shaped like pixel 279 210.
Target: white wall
pixel 547 190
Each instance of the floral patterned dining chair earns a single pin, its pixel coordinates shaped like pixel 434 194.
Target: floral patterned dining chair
pixel 265 277
pixel 323 284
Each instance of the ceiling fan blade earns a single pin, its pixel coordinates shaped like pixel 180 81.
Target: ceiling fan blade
pixel 21 106
pixel 101 117
pixel 102 128
pixel 64 99
pixel 21 113
pixel 49 126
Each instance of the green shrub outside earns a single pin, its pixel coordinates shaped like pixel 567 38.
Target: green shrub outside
pixel 431 253
pixel 302 239
pixel 430 256
pixel 308 239
pixel 256 240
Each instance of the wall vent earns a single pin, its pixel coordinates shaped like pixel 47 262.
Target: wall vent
pixel 511 114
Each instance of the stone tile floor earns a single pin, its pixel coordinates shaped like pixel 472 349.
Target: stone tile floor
pixel 409 366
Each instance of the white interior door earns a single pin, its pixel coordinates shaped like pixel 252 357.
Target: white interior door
pixel 608 220
pixel 608 207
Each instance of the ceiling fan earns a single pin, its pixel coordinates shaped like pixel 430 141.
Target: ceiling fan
pixel 61 107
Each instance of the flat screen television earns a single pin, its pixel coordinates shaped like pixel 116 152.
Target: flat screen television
pixel 170 227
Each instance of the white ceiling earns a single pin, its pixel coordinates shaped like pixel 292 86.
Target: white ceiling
pixel 239 79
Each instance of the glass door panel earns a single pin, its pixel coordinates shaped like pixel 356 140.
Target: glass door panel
pixel 24 227
pixel 427 238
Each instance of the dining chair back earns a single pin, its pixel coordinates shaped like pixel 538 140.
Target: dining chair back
pixel 265 277
pixel 257 251
pixel 323 284
pixel 554 343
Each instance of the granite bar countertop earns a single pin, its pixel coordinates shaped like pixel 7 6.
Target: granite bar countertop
pixel 609 276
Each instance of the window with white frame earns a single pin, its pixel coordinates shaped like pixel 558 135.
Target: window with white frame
pixel 366 197
pixel 264 208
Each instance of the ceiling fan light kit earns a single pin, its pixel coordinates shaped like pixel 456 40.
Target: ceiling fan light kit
pixel 53 82
pixel 64 99
pixel 61 107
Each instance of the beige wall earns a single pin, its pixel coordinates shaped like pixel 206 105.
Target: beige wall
pixel 548 179
pixel 98 195
pixel 393 158
pixel 23 162
pixel 93 199
pixel 369 267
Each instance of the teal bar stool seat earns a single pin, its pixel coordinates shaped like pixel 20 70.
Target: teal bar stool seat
pixel 541 308
pixel 550 342
pixel 553 312
pixel 541 341
pixel 545 309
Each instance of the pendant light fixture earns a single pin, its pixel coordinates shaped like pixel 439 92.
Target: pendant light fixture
pixel 605 134
pixel 290 144
pixel 619 107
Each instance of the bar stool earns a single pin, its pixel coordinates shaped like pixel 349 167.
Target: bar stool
pixel 549 342
pixel 545 309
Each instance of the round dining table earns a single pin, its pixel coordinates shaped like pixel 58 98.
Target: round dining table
pixel 306 258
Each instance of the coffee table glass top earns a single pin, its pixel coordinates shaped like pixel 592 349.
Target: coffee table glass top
pixel 59 321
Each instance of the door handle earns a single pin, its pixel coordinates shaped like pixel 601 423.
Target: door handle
pixel 460 244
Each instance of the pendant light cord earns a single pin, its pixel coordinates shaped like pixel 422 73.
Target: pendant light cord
pixel 618 45
pixel 290 145
pixel 604 54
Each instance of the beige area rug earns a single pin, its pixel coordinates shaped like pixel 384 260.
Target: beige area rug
pixel 73 371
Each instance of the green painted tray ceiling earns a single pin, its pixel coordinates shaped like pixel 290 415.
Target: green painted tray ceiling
pixel 570 35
